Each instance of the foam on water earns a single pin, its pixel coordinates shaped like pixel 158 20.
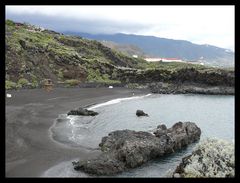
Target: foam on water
pixel 115 101
pixel 213 114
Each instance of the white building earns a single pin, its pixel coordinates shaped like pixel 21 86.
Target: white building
pixel 163 60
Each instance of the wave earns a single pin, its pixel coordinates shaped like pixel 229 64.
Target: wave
pixel 115 101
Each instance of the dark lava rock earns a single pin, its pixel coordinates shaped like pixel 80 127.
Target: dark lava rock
pixel 124 149
pixel 167 88
pixel 161 130
pixel 82 112
pixel 105 164
pixel 141 113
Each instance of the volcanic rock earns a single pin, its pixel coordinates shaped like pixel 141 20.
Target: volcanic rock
pixel 125 149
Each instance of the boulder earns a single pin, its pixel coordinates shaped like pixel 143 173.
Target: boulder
pixel 82 112
pixel 141 113
pixel 183 134
pixel 125 149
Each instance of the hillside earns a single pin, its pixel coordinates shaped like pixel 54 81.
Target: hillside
pixel 126 49
pixel 162 47
pixel 33 54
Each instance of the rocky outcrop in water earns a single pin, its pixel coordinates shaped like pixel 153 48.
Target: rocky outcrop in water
pixel 82 112
pixel 124 149
pixel 141 113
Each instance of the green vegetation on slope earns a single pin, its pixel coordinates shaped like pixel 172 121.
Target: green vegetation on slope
pixel 34 54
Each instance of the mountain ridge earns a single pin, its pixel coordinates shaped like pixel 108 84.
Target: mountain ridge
pixel 164 47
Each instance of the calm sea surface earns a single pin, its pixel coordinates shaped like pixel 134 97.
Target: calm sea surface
pixel 214 114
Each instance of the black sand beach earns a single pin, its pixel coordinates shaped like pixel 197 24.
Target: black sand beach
pixel 30 113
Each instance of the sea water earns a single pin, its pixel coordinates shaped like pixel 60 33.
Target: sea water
pixel 214 114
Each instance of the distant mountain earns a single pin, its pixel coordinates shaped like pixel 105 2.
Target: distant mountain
pixel 34 54
pixel 162 47
pixel 126 49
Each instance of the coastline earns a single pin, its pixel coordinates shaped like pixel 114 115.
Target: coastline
pixel 170 88
pixel 30 151
pixel 30 113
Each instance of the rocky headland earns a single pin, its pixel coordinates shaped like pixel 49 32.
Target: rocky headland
pixel 181 81
pixel 171 88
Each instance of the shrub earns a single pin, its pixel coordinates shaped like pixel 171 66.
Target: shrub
pixel 9 23
pixel 34 84
pixel 111 81
pixel 60 74
pixel 10 85
pixel 22 82
pixel 94 75
pixel 72 82
pixel 211 158
pixel 132 85
pixel 114 74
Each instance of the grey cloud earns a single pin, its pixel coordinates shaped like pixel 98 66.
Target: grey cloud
pixel 77 25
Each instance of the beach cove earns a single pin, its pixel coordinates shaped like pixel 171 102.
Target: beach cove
pixel 29 115
pixel 31 149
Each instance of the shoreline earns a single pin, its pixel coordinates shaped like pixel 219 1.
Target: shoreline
pixel 159 88
pixel 89 107
pixel 170 88
pixel 29 115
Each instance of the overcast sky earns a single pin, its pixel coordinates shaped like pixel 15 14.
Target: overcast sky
pixel 199 24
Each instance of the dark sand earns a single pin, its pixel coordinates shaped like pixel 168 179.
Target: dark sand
pixel 30 151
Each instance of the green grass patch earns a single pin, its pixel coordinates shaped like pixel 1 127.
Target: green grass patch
pixel 22 82
pixel 72 82
pixel 9 85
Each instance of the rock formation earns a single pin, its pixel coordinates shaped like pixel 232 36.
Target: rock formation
pixel 124 149
pixel 167 88
pixel 141 113
pixel 82 112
